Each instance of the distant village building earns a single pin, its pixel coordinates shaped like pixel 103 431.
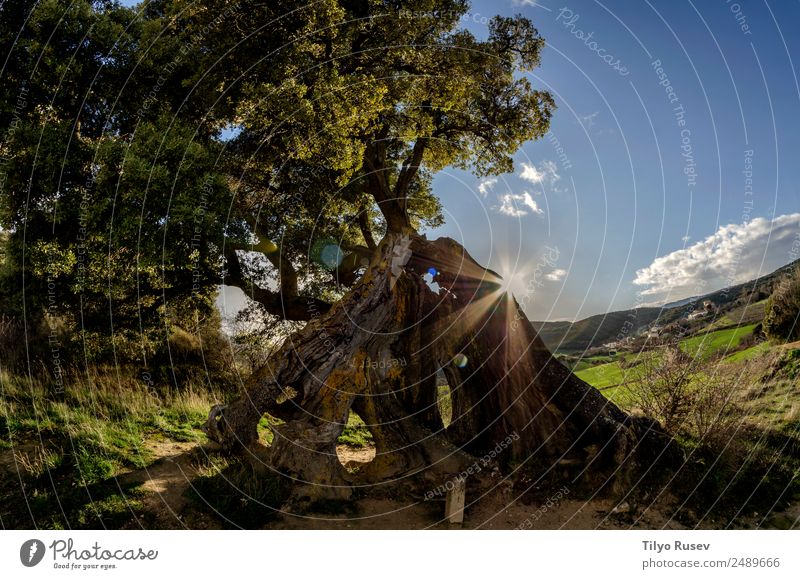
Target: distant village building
pixel 697 315
pixel 655 331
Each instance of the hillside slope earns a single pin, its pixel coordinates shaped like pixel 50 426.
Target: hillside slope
pixel 595 330
pixel 734 303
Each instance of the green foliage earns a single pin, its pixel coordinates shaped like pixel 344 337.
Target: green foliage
pixel 783 310
pixel 112 209
pixel 124 208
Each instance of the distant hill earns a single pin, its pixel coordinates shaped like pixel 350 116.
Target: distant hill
pixel 682 302
pixel 731 303
pixel 595 330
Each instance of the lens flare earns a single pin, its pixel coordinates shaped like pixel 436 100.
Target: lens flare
pixel 331 255
pixel 327 253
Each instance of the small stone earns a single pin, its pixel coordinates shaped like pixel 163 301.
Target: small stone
pixel 622 508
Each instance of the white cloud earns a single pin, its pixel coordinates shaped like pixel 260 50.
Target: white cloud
pixel 487 185
pixel 524 3
pixel 528 200
pixel 531 173
pixel 734 254
pixel 515 205
pixel 547 172
pixel 556 275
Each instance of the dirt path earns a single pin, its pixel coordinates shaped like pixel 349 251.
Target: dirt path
pixel 166 482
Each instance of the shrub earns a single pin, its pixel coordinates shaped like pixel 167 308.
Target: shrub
pixel 783 309
pixel 691 397
pixel 665 391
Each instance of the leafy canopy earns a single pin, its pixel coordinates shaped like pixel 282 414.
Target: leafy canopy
pixel 120 186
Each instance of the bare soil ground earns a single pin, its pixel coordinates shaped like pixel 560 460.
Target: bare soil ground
pixel 166 482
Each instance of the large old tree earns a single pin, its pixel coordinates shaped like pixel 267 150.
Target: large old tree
pixel 347 109
pixel 287 147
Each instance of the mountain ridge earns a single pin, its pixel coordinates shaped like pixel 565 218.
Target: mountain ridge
pixel 594 331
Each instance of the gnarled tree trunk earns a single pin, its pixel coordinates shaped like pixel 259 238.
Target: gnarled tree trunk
pixel 377 352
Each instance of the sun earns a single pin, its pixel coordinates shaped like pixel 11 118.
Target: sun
pixel 509 279
pixel 513 277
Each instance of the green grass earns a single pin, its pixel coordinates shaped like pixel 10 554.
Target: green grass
pixel 356 433
pixel 113 510
pixel 592 361
pixel 749 353
pixel 623 369
pixel 704 345
pixel 618 379
pixel 83 437
pixel 752 469
pixel 603 376
pixel 708 344
pixel 103 413
pixel 615 382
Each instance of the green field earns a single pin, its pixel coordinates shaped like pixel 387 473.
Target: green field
pixel 604 376
pixel 591 362
pixel 711 343
pixel 744 315
pixel 749 353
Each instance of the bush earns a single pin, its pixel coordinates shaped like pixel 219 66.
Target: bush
pixel 19 345
pixel 692 398
pixel 783 309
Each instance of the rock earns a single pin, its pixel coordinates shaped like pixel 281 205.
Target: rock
pixel 622 508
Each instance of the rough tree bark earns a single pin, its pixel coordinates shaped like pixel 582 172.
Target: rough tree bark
pixel 377 352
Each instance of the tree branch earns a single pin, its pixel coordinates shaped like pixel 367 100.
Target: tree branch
pixel 345 272
pixel 366 232
pixel 375 163
pixel 286 272
pixel 410 170
pixel 287 307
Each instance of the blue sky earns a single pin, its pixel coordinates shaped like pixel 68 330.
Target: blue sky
pixel 617 203
pixel 628 202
